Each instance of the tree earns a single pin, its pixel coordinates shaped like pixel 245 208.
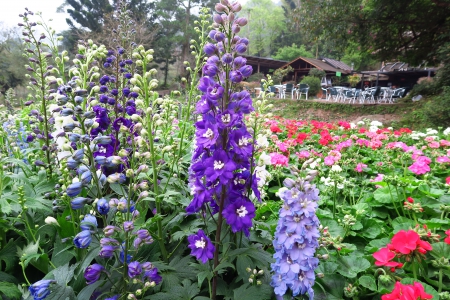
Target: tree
pixel 12 72
pixel 292 52
pixel 266 23
pixel 407 30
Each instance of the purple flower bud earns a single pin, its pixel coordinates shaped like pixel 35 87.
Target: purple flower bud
pixel 219 36
pixel 134 269
pixel 30 138
pixel 134 95
pixel 111 101
pixel 241 48
pixel 246 70
pixel 121 51
pixel 210 70
pixel 89 222
pixel 218 19
pixel 236 7
pixel 227 58
pixel 39 163
pixel 107 251
pixel 153 275
pixel 82 239
pixel 128 61
pixel 103 98
pixel 236 28
pixel 213 60
pixel 128 75
pixel 74 189
pixel 86 178
pixel 40 289
pixel 109 230
pixel 210 49
pixel 104 79
pixel 103 206
pixel 236 76
pixel 221 8
pixel 128 226
pixel 93 272
pixel 137 242
pixel 231 17
pixel 109 241
pixel 107 65
pixel 78 202
pixel 244 41
pixel 115 92
pixel 241 21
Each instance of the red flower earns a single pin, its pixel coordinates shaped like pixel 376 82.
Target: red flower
pixel 410 200
pixel 301 137
pixel 447 180
pixel 406 242
pixel 447 239
pixel 407 292
pixel 274 128
pixel 344 124
pixel 383 258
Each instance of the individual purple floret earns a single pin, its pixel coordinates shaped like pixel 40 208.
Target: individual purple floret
pixel 296 240
pixel 201 246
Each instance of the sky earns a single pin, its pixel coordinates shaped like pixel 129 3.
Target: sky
pixel 10 10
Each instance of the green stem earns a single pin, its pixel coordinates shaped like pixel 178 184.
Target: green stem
pixel 393 202
pixel 334 200
pixel 441 273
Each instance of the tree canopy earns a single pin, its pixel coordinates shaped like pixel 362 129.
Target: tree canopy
pixel 407 30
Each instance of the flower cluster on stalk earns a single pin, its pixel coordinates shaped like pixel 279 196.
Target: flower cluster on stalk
pixel 296 238
pixel 220 173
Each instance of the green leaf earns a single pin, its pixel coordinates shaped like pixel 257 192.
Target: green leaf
pixel 440 250
pixel 10 290
pixel 8 255
pixel 434 223
pixel 368 282
pixel 350 266
pixel 334 285
pixel 88 290
pixel 59 292
pixel 327 267
pixel 382 195
pixel 372 228
pixel 223 266
pixel 402 223
pixel 64 274
pixel 274 189
pixel 118 189
pixel 5 207
pixel 333 227
pixel 244 292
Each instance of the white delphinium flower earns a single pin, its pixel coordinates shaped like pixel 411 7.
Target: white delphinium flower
pixel 446 131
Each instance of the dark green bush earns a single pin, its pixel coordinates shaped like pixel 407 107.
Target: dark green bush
pixel 425 87
pixel 437 110
pixel 256 77
pixel 317 73
pixel 314 84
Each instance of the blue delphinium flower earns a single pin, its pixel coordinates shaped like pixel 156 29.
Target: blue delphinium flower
pixel 134 269
pixel 93 272
pixel 40 289
pixel 89 222
pixel 296 239
pixel 83 239
pixel 224 146
pixel 201 246
pixel 74 189
pixel 103 206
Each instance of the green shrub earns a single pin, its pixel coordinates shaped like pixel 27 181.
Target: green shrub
pixel 256 77
pixel 426 86
pixel 314 84
pixel 437 110
pixel 317 73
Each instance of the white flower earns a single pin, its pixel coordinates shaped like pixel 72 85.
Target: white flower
pixel 264 159
pixel 360 123
pixel 431 131
pixel 376 124
pixel 50 220
pixel 262 141
pixel 336 168
pixel 353 125
pixel 446 131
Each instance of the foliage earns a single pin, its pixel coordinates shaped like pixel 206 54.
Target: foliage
pixel 353 80
pixel 314 72
pixel 280 73
pixel 10 56
pixel 314 84
pixel 386 28
pixel 437 110
pixel 425 86
pixel 267 23
pixel 256 77
pixel 289 53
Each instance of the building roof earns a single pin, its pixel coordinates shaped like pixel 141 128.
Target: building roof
pixel 264 61
pixel 325 64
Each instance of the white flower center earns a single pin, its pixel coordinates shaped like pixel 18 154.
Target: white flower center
pixel 243 141
pixel 200 243
pixel 218 165
pixel 208 134
pixel 242 211
pixel 226 118
pixel 301 276
pixel 102 150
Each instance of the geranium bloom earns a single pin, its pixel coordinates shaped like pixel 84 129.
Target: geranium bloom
pixel 407 292
pixel 447 239
pixel 405 242
pixel 384 258
pixel 278 159
pixel 443 159
pixel 359 167
pixel 447 180
pixel 303 154
pixel 274 128
pixel 201 246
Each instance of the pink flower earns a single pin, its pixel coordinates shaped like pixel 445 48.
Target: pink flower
pixel 442 159
pixel 303 154
pixel 378 178
pixel 359 167
pixel 282 146
pixel 434 145
pixel 429 139
pixel 278 159
pixel 329 160
pixel 419 168
pixel 445 143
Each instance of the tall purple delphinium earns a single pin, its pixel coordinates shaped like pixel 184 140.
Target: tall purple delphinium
pixel 296 239
pixel 223 155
